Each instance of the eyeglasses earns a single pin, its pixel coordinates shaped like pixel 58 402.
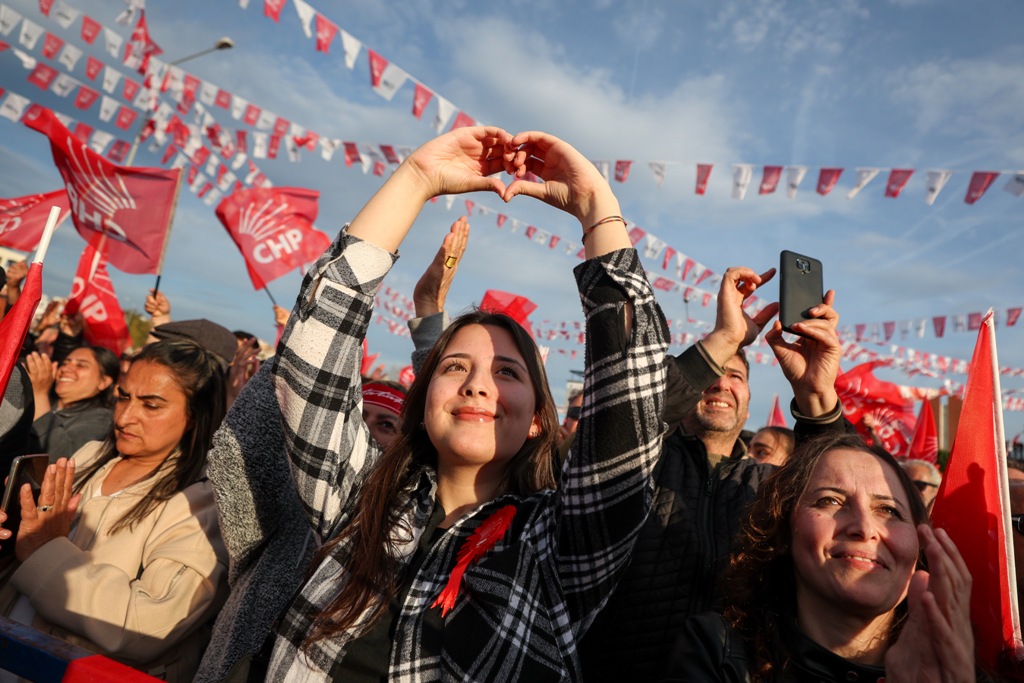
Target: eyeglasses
pixel 1018 524
pixel 923 486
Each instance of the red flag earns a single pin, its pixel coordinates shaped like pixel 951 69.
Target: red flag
pixel 85 97
pixel 925 445
pixel 864 394
pixel 420 99
pixel 42 75
pixel 703 173
pixel 223 99
pixel 827 179
pixel 118 151
pixel 45 6
pixel 898 178
pixel 462 120
pixel 252 114
pixel 22 219
pixel 93 67
pixel 777 418
pixel 92 294
pixel 51 44
pixel 125 118
pixel 377 66
pixel 514 306
pixel 939 323
pixel 973 505
pixel 15 324
pixel 325 32
pixel 273 228
pixel 622 170
pixel 90 29
pixel 980 181
pixel 272 9
pixel 140 47
pixel 352 153
pixel 131 207
pixel 770 181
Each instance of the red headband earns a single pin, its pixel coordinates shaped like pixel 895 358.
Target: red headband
pixel 382 395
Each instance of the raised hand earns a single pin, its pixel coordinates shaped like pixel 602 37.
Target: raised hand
pixel 41 372
pixel 431 290
pixel 734 327
pixel 936 643
pixel 50 517
pixel 811 363
pixel 461 161
pixel 16 273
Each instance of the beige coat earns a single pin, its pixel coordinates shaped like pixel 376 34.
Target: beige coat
pixel 145 597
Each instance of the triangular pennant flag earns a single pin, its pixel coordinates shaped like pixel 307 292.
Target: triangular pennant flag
pixel 936 180
pixel 925 444
pixel 980 182
pixel 770 179
pixel 741 174
pixel 898 178
pixel 1015 185
pixel 864 176
pixel 827 179
pixel 794 176
pixel 703 173
pixel 776 418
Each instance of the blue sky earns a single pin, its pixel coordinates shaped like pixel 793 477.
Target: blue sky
pixel 904 84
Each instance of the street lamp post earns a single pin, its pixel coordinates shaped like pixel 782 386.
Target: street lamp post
pixel 223 43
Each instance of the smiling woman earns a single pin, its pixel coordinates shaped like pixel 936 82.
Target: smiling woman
pixel 452 554
pixel 829 581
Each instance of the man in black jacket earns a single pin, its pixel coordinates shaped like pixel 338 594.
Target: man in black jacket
pixel 702 482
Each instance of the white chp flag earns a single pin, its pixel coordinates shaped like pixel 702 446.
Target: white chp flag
pixel 391 80
pixel 1015 185
pixel 8 19
pixel 864 176
pixel 936 180
pixel 108 107
pixel 69 56
pixel 445 109
pixel 794 176
pixel 306 14
pixel 741 174
pixel 658 171
pixel 351 45
pixel 30 32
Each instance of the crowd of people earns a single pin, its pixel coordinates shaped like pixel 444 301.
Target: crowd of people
pixel 207 516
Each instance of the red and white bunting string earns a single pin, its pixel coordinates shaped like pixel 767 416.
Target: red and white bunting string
pixel 938 325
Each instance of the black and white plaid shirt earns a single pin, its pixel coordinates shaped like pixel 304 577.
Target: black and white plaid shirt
pixel 524 604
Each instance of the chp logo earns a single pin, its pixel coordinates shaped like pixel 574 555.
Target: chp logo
pixel 266 224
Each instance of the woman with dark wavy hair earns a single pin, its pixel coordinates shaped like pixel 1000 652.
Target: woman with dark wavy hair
pixel 121 553
pixel 452 555
pixel 829 581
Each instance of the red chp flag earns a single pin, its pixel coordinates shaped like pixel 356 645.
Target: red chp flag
pixel 925 445
pixel 273 228
pixel 514 306
pixel 973 506
pixel 130 207
pixel 92 295
pixel 15 324
pixel 863 394
pixel 22 219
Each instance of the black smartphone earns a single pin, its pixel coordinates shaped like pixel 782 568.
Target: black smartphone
pixel 800 288
pixel 25 469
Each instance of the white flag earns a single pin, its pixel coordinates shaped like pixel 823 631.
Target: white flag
pixel 652 246
pixel 259 145
pixel 351 46
pixel 391 80
pixel 1015 185
pixel 936 180
pixel 864 176
pixel 327 147
pixel 111 77
pixel 207 93
pixel 8 19
pixel 445 109
pixel 30 32
pixel 129 12
pixel 658 171
pixel 65 120
pixel 741 174
pixel 604 167
pixel 63 84
pixel 69 56
pixel 238 105
pixel 13 107
pixel 108 107
pixel 266 120
pixel 293 149
pixel 794 176
pixel 113 43
pixel 226 181
pixel 99 140
pixel 211 197
pixel 64 14
pixel 239 161
pixel 244 4
pixel 306 14
pixel 180 161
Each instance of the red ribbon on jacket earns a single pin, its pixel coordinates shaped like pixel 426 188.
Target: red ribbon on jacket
pixel 473 548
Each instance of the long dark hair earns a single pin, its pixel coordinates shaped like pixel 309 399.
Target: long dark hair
pixel 198 375
pixel 376 527
pixel 760 582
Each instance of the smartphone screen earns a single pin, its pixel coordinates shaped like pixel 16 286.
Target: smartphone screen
pixel 26 469
pixel 800 287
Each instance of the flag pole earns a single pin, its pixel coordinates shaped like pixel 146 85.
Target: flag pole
pixel 267 290
pixel 44 242
pixel 167 235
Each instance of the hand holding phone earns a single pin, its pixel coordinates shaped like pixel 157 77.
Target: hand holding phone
pixel 25 469
pixel 800 288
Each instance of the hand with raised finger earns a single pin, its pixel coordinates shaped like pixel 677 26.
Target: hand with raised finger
pixel 734 327
pixel 50 517
pixel 431 291
pixel 811 363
